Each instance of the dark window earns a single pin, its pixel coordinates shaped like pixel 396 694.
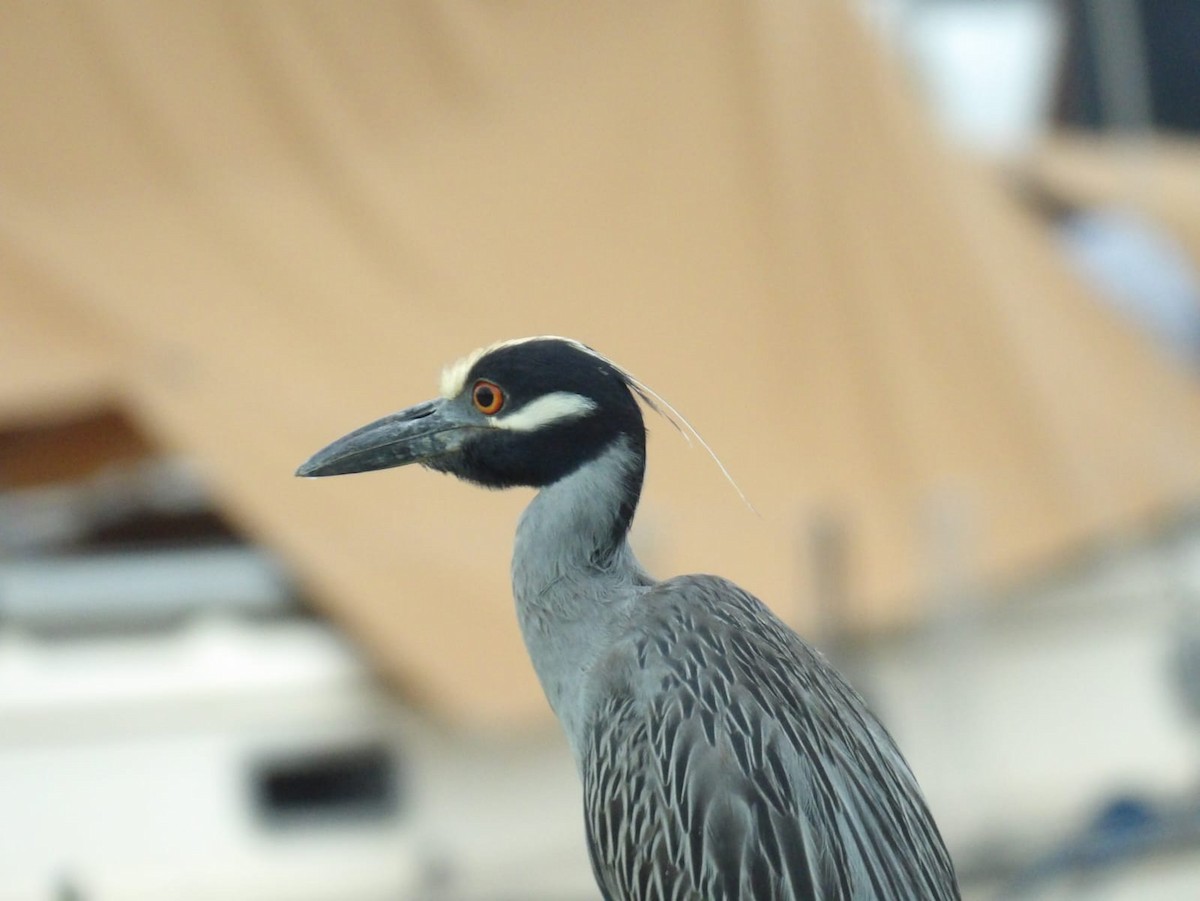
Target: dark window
pixel 348 784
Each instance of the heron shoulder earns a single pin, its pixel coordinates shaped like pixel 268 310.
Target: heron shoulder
pixel 721 717
pixel 699 646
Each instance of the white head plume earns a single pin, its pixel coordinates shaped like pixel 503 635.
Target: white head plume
pixel 454 379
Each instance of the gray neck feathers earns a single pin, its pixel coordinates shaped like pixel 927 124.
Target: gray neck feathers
pixel 575 577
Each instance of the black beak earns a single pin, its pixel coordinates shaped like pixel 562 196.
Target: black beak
pixel 414 435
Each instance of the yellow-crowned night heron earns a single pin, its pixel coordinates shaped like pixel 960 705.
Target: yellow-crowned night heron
pixel 721 756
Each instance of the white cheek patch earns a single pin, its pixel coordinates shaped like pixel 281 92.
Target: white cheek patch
pixel 546 410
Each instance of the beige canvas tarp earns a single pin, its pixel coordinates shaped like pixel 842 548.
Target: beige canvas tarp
pixel 258 225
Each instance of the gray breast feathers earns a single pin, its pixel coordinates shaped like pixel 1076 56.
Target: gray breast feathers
pixel 724 759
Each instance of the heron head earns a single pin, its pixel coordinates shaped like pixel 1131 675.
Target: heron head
pixel 524 412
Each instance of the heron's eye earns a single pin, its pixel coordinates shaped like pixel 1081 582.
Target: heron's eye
pixel 488 397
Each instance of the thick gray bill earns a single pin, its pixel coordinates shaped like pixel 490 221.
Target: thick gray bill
pixel 410 436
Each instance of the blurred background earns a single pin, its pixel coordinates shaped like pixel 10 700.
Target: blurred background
pixel 925 274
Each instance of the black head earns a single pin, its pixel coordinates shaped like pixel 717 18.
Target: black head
pixel 525 412
pixel 560 405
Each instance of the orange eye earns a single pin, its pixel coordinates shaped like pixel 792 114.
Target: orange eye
pixel 488 397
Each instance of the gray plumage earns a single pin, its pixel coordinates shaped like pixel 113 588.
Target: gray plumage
pixel 722 758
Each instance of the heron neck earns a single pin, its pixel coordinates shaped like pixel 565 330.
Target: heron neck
pixel 574 574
